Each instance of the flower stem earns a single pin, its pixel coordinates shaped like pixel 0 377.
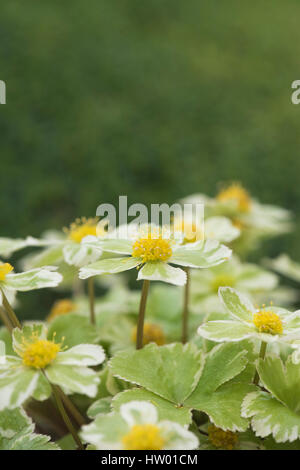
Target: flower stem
pixel 262 354
pixel 5 320
pixel 185 311
pixel 72 408
pixel 65 417
pixel 91 290
pixel 10 313
pixel 141 319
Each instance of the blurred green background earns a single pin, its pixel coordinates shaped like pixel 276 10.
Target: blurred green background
pixel 155 100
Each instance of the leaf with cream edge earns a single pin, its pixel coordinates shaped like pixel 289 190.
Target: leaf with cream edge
pixel 171 371
pixel 14 421
pixel 277 413
pixel 217 392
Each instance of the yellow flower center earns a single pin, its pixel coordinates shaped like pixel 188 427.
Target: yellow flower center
pixel 152 249
pixel 40 353
pixel 5 268
pixel 267 321
pixel 191 231
pixel 61 307
pixel 236 193
pixel 223 280
pixel 152 334
pixel 226 440
pixel 82 228
pixel 143 437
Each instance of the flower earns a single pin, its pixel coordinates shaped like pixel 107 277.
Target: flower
pixel 61 307
pixel 247 278
pixel 255 220
pixel 221 439
pixel 137 427
pixel 152 334
pixel 268 324
pixel 42 361
pixel 154 250
pixel 214 228
pixel 28 280
pixel 67 247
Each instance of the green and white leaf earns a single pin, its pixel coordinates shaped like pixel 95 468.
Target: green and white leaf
pixel 270 417
pixel 171 371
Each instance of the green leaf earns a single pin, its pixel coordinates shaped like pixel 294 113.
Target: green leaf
pixel 76 329
pixel 28 441
pixel 166 410
pixel 101 406
pixel 282 380
pixel 13 421
pixel 170 371
pixel 224 362
pixel 270 416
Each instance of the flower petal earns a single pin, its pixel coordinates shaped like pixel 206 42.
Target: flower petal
pixel 33 279
pixel 109 266
pixel 203 254
pixel 224 330
pixel 160 271
pixel 81 355
pixel 139 412
pixel 76 379
pixel 237 304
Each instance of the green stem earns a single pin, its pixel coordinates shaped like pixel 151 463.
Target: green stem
pixel 141 319
pixel 6 320
pixel 72 408
pixel 91 291
pixel 10 313
pixel 185 311
pixel 65 417
pixel 262 354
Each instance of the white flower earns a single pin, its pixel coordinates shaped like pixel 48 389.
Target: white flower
pixel 40 362
pixel 136 427
pixel 153 252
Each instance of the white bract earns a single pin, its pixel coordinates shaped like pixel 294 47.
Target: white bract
pixel 269 324
pixel 247 278
pixel 41 362
pixel 29 280
pixel 154 252
pixel 137 427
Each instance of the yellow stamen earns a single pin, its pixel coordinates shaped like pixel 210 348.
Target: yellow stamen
pixel 5 268
pixel 152 334
pixel 82 228
pixel 152 249
pixel 236 193
pixel 40 353
pixel 220 439
pixel 267 321
pixel 143 437
pixel 190 230
pixel 223 280
pixel 61 307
